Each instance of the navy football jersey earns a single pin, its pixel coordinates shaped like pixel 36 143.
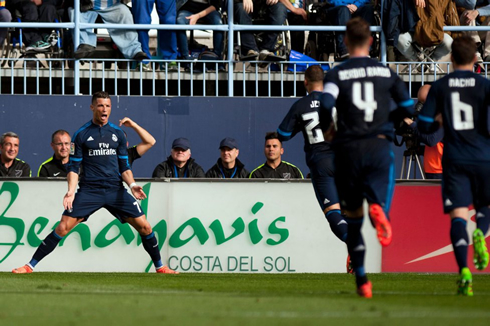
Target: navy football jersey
pixel 102 153
pixel 307 116
pixel 463 98
pixel 363 91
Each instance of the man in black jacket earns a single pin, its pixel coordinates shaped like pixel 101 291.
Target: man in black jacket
pixel 274 167
pixel 10 165
pixel 179 164
pixel 37 40
pixel 55 166
pixel 228 165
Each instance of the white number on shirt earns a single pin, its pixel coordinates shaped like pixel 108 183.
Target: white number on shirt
pixel 315 134
pixel 368 104
pixel 460 109
pixel 137 206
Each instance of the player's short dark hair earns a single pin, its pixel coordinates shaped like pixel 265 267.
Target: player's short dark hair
pixel 357 32
pixel 272 135
pixel 59 132
pixel 8 134
pixel 463 50
pixel 100 94
pixel 314 74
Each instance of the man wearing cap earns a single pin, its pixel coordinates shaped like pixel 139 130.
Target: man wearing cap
pixel 228 165
pixel 179 164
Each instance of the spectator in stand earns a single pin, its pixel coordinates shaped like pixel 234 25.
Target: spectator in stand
pixel 167 40
pixel 244 13
pixel 401 23
pixel 56 166
pixel 296 16
pixel 472 10
pixel 192 12
pixel 340 14
pixel 147 140
pixel 10 165
pixel 274 167
pixel 179 164
pixel 433 142
pixel 112 12
pixel 5 17
pixel 228 165
pixel 36 40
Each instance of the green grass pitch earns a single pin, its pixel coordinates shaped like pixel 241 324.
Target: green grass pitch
pixel 238 299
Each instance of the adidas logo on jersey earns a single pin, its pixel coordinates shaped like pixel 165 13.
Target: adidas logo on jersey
pixel 480 215
pixel 448 202
pixel 326 201
pixel 90 138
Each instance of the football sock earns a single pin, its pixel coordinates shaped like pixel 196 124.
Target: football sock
pixel 46 247
pixel 356 248
pixel 337 224
pixel 483 219
pixel 151 246
pixel 459 239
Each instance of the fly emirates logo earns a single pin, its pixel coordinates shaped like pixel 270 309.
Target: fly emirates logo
pixel 102 150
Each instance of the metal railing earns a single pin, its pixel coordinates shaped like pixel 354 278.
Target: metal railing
pixel 237 79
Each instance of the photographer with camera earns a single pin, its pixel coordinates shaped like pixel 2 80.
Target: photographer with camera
pixel 433 141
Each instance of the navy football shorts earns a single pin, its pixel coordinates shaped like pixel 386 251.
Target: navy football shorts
pixel 321 166
pixel 365 169
pixel 117 201
pixel 463 184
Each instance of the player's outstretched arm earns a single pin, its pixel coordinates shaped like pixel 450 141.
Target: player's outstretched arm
pixel 72 179
pixel 136 190
pixel 147 140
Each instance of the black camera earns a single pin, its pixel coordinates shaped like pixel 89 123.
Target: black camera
pixel 409 137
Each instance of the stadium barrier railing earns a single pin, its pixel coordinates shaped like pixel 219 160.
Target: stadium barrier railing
pixel 238 75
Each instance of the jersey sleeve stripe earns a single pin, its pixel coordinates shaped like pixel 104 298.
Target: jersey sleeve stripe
pixel 406 103
pixel 123 157
pixel 283 133
pixel 331 89
pixel 76 159
pixel 425 119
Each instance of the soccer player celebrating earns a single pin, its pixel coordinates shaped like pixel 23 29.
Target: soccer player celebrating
pixel 100 148
pixel 307 116
pixel 363 90
pixel 462 99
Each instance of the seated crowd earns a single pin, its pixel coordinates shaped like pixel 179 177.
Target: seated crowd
pixel 179 164
pixel 414 27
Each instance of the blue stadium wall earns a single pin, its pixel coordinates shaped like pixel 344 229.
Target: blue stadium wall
pixel 205 121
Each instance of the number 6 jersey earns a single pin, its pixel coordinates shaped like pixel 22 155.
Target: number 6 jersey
pixel 363 91
pixel 463 98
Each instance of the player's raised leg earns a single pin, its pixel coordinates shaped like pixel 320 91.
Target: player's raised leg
pixel 150 242
pixel 480 251
pixel 66 224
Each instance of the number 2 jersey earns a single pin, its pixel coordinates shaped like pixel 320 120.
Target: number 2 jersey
pixel 463 99
pixel 307 116
pixel 363 91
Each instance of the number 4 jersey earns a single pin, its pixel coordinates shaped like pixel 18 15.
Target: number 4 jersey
pixel 463 99
pixel 307 116
pixel 363 91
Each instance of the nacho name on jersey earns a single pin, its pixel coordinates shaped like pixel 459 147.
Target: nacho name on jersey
pixel 462 82
pixel 363 72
